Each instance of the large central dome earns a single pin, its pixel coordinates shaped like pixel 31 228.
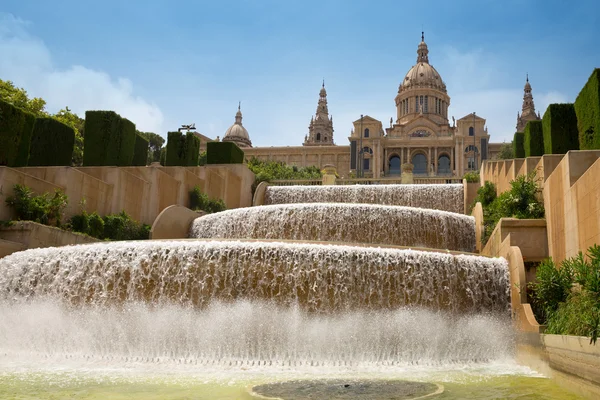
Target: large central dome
pixel 422 74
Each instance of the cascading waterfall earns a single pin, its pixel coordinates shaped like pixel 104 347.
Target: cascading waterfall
pixel 317 278
pixel 436 197
pixel 349 223
pixel 267 286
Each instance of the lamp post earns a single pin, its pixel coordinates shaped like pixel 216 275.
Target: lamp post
pixel 360 165
pixel 187 127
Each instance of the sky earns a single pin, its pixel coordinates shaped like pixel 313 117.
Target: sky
pixel 167 63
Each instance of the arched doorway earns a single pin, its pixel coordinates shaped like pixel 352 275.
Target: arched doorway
pixel 394 165
pixel 420 164
pixel 444 167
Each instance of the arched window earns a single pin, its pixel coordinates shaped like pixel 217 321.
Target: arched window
pixel 325 139
pixel 470 149
pixel 419 162
pixel 318 137
pixel 366 132
pixel 471 131
pixel 367 150
pixel 394 165
pixel 444 165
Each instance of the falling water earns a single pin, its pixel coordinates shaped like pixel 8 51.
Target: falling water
pixel 436 197
pixel 317 278
pixel 337 222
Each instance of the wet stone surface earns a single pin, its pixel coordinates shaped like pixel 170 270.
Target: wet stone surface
pixel 345 389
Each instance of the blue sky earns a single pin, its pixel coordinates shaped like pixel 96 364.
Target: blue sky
pixel 166 63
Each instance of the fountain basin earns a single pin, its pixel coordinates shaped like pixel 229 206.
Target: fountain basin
pixel 315 277
pixel 347 223
pixel 448 197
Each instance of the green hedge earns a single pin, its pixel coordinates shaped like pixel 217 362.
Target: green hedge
pixel 109 139
pixel 140 153
pixel 534 139
pixel 224 153
pixel 182 151
pixel 25 143
pixel 587 108
pixel 519 145
pixel 15 124
pixel 52 143
pixel 560 129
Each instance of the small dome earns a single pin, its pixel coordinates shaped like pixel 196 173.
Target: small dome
pixel 237 133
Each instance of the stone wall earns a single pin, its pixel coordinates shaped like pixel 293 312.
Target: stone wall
pixel 571 193
pixel 142 192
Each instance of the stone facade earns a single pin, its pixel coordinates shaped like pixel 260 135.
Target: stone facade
pixel 421 134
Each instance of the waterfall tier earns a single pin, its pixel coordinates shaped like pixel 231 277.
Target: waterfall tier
pixel 437 197
pixel 349 223
pixel 315 277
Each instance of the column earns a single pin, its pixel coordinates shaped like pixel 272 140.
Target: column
pixel 435 161
pixel 429 161
pixel 452 150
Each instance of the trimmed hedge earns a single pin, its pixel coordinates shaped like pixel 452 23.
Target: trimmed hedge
pixel 52 143
pixel 534 139
pixel 182 151
pixel 587 109
pixel 223 153
pixel 519 145
pixel 14 125
pixel 109 139
pixel 140 152
pixel 25 144
pixel 560 129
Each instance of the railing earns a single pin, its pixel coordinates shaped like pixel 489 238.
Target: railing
pixel 295 182
pixel 368 181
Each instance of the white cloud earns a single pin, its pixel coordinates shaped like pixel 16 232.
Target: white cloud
pixel 27 61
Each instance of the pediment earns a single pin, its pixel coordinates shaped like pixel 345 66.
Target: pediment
pixel 469 117
pixel 367 118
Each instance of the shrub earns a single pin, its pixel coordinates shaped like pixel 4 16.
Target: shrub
pixel 587 109
pixel 52 143
pixel 521 201
pixel 201 201
pixel 560 129
pixel 109 139
pixel 534 139
pixel 223 153
pixel 486 194
pixel 471 177
pixel 182 151
pixel 24 145
pixel 140 152
pixel 519 145
pixel 569 309
pixel 15 126
pixel 45 209
pixel 95 225
pixel 202 158
pixel 111 227
pixel 272 170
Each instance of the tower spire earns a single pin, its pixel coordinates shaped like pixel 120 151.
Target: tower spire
pixel 422 51
pixel 422 36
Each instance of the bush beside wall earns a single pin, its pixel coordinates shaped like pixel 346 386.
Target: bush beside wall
pixel 140 153
pixel 223 153
pixel 534 139
pixel 560 129
pixel 182 151
pixel 519 145
pixel 52 143
pixel 587 109
pixel 14 124
pixel 109 139
pixel 25 143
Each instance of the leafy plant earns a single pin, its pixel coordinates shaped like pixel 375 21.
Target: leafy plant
pixel 272 170
pixel 111 227
pixel 471 177
pixel 486 194
pixel 201 201
pixel 551 287
pixel 45 208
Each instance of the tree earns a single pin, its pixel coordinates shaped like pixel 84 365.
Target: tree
pixel 155 142
pixel 506 152
pixel 18 97
pixel 74 121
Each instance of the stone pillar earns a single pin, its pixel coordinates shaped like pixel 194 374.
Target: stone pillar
pixel 435 161
pixel 329 175
pixel 429 162
pixel 452 168
pixel 407 174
